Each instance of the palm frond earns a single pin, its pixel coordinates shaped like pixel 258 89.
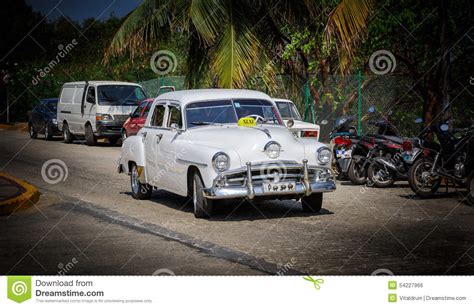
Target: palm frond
pixel 141 29
pixel 346 25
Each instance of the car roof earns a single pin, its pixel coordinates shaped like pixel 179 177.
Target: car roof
pixel 188 96
pixel 100 82
pixel 282 100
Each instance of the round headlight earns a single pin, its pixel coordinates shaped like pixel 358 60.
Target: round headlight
pixel 220 162
pixel 272 149
pixel 324 155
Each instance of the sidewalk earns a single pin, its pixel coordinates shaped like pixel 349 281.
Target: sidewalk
pixel 16 194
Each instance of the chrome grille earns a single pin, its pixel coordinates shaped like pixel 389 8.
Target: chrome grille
pixel 121 117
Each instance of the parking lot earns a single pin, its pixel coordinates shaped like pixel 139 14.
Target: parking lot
pixel 89 215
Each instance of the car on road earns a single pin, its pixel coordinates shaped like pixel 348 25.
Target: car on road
pixel 137 119
pixel 216 144
pixel 43 119
pixel 96 109
pixel 292 119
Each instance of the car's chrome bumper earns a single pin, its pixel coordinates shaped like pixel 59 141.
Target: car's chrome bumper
pixel 305 187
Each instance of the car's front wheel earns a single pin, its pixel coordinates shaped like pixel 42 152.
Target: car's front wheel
pixel 312 203
pixel 91 140
pixel 139 191
pixel 202 206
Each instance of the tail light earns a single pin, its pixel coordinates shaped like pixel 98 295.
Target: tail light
pixel 310 133
pixel 342 141
pixel 407 145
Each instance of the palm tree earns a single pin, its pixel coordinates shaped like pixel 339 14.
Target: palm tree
pixel 235 39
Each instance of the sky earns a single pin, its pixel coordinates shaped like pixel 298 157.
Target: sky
pixel 78 10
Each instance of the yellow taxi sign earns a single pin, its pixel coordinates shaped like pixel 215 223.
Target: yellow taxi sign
pixel 250 122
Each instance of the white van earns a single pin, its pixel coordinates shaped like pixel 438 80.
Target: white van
pixel 96 109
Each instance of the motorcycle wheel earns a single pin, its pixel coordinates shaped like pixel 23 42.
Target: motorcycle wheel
pixel 356 174
pixel 418 178
pixel 470 189
pixel 379 176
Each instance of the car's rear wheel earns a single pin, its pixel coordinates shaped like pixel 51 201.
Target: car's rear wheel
pixel 312 203
pixel 68 137
pixel 140 191
pixel 203 207
pixel 90 138
pixel 48 132
pixel 31 131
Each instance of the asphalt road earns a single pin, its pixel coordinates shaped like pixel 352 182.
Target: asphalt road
pixel 89 215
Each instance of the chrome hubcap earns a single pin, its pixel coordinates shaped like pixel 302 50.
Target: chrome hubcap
pixel 135 183
pixel 194 194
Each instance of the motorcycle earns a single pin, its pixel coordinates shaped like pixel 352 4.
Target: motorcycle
pixel 342 137
pixel 371 147
pixel 451 159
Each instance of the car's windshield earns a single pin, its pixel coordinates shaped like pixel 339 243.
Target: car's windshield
pixel 120 95
pixel 227 111
pixel 288 110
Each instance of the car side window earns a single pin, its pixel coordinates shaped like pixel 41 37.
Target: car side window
pixel 138 111
pixel 174 119
pixel 147 109
pixel 158 115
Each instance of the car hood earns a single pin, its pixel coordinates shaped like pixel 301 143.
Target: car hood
pixel 247 143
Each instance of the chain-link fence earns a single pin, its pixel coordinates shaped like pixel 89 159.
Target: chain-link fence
pixel 338 95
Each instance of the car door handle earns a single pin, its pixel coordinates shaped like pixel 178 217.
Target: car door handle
pixel 158 138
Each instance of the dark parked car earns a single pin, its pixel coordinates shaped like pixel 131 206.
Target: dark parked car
pixel 43 119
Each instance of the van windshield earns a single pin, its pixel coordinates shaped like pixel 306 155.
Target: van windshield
pixel 113 95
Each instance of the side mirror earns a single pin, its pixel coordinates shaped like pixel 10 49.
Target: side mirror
pixel 174 126
pixel 418 120
pixel 324 122
pixel 371 109
pixel 290 123
pixel 444 127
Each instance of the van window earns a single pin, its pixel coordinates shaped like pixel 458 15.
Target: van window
pixel 175 117
pixel 158 115
pixel 67 95
pixel 91 95
pixel 78 95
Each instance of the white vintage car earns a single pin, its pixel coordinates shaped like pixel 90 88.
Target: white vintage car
pixel 224 144
pixel 292 119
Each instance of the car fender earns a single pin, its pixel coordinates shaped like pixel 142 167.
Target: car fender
pixel 133 150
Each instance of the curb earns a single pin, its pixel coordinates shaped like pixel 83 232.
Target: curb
pixel 21 126
pixel 28 197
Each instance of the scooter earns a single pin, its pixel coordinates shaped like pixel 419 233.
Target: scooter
pixel 343 136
